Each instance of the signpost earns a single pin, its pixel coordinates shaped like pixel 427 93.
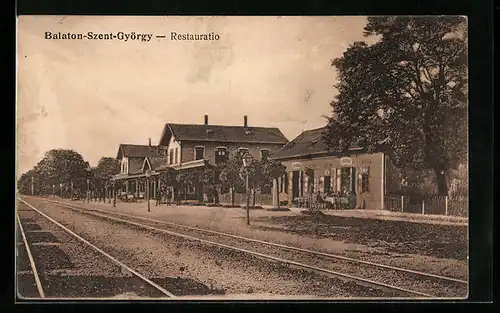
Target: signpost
pixel 247 160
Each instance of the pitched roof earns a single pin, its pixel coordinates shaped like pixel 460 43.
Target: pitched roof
pixel 135 166
pixel 222 133
pixel 308 143
pixel 127 150
pixel 156 162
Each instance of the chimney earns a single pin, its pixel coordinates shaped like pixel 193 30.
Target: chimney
pixel 245 121
pixel 206 119
pixel 150 141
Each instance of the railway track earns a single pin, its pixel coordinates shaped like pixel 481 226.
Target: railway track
pixel 55 263
pixel 406 282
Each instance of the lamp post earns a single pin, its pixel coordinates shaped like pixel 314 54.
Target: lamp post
pixel 247 160
pixel 148 175
pixel 113 190
pixel 89 170
pixel 404 183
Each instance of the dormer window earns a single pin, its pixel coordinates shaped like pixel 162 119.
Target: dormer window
pixel 247 132
pixel 210 132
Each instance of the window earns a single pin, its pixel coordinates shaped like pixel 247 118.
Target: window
pixel 221 155
pixel 264 154
pixel 365 179
pixel 242 151
pixel 199 153
pixel 171 156
pixel 176 155
pixel 327 187
pixel 283 187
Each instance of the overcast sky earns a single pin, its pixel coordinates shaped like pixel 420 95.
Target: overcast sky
pixel 91 96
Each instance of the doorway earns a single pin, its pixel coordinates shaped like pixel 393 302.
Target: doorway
pixel 295 184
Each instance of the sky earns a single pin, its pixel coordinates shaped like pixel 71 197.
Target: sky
pixel 92 95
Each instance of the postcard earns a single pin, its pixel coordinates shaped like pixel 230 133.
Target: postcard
pixel 242 157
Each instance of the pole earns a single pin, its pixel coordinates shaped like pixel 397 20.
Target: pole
pixel 32 185
pixel 113 192
pixel 402 204
pixel 423 207
pixel 248 198
pixel 149 194
pixel 446 205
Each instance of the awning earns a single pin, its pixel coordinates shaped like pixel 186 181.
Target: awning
pixel 177 167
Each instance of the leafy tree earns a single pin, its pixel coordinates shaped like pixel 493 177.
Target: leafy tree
pixel 256 178
pixel 210 177
pixel 188 179
pixel 273 171
pixel 168 180
pixel 24 182
pixel 230 175
pixel 58 166
pixel 406 94
pixel 107 167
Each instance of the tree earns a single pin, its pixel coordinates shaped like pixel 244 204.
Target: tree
pixel 210 177
pixel 167 180
pixel 107 167
pixel 58 166
pixel 274 170
pixel 189 179
pixel 406 94
pixel 230 175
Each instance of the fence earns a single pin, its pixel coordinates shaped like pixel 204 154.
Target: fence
pixel 240 199
pixel 438 205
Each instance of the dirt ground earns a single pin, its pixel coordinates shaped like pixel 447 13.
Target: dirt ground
pixel 437 249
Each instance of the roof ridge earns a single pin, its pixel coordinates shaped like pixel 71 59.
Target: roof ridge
pixel 219 125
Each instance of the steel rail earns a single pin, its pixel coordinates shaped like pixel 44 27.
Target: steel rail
pixel 113 259
pixel 365 281
pixel 329 255
pixel 32 261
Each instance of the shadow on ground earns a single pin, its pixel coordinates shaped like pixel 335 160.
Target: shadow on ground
pixel 442 241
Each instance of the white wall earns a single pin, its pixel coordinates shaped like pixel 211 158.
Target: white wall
pixel 172 145
pixel 124 163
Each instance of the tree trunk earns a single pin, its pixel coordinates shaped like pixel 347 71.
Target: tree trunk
pixel 253 197
pixel 441 181
pixel 216 195
pixel 277 193
pixel 232 195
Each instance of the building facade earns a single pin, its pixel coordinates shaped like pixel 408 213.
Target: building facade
pixel 312 170
pixel 193 147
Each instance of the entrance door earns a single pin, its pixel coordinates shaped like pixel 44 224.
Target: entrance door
pixel 295 184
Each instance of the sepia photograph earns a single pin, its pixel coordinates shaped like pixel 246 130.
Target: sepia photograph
pixel 242 158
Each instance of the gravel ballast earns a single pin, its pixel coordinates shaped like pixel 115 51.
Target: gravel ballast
pixel 436 249
pixel 405 280
pixel 68 268
pixel 218 270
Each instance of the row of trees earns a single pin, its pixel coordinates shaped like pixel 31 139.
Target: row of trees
pixel 65 173
pixel 230 176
